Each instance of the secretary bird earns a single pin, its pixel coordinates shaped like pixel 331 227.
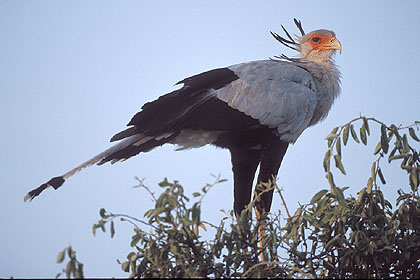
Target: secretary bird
pixel 254 109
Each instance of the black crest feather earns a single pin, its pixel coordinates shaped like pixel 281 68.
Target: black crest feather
pixel 289 42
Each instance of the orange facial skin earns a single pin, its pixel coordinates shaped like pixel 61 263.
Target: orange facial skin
pixel 322 42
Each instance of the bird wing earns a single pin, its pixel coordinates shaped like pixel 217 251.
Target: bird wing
pixel 278 94
pixel 245 96
pixel 178 109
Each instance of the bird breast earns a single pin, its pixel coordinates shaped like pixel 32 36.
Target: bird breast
pixel 327 80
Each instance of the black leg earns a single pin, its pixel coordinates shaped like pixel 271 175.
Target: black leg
pixel 244 165
pixel 272 153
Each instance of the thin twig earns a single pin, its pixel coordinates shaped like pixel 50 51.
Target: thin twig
pixel 284 202
pixel 142 185
pixel 129 218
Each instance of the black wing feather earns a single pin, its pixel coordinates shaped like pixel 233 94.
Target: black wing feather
pixel 191 107
pixel 177 110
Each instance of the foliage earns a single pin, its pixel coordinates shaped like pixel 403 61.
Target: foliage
pixel 74 268
pixel 333 236
pixel 363 237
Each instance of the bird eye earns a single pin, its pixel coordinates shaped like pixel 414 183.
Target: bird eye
pixel 316 39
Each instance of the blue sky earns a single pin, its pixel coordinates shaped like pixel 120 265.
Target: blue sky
pixel 72 73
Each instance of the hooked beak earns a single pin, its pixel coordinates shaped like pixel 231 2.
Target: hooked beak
pixel 334 44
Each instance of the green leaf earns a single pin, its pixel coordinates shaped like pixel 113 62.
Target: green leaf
pixel 332 242
pixel 366 125
pixel 331 136
pixel 346 134
pixel 413 134
pixel 338 146
pixel 391 158
pixel 373 171
pixel 353 134
pixel 60 256
pixel 102 213
pixel 414 179
pixel 363 135
pixel 112 229
pixel 159 210
pixel 101 224
pixel 318 196
pixel 132 256
pixel 339 164
pixel 326 161
pixel 196 194
pixel 69 252
pixel 384 139
pixel 134 240
pixel 361 194
pixel 125 266
pixel 394 150
pixel 405 143
pixel 149 213
pixel 340 195
pixel 68 270
pixel 369 185
pixel 377 148
pixel 164 183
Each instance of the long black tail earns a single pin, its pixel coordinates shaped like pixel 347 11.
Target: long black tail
pixel 122 151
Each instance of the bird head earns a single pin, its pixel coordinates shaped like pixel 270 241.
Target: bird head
pixel 317 46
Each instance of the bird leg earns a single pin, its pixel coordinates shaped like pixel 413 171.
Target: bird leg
pixel 244 166
pixel 272 153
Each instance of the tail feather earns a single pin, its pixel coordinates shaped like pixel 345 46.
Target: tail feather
pixel 125 133
pixel 144 144
pixel 55 182
pixel 126 148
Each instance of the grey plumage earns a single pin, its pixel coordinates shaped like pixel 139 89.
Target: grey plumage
pixel 278 94
pixel 254 109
